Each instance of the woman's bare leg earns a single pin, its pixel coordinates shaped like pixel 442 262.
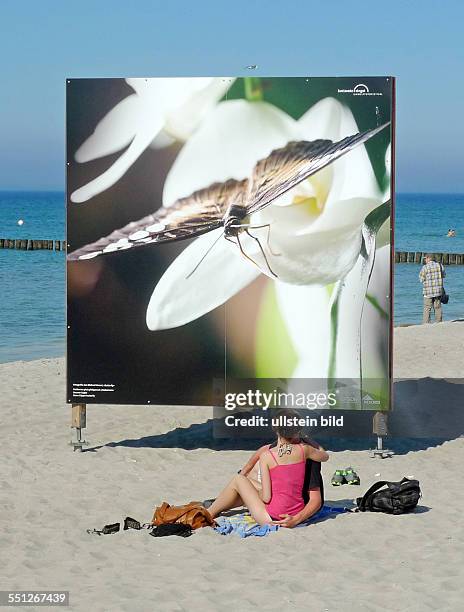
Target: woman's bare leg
pixel 240 491
pixel 227 499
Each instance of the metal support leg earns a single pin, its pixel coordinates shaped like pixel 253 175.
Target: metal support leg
pixel 78 422
pixel 380 428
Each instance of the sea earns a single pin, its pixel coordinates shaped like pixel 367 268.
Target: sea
pixel 32 302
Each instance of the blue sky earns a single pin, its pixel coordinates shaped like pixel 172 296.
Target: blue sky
pixel 420 42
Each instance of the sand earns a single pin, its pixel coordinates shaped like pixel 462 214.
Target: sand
pixel 434 350
pixel 51 495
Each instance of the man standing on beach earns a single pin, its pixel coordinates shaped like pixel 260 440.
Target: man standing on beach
pixel 431 276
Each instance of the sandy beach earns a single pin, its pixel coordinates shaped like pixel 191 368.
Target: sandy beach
pixel 433 350
pixel 138 457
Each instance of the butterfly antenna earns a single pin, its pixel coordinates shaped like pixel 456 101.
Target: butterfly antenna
pixel 204 256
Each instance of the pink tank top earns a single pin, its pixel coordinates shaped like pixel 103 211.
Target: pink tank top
pixel 287 482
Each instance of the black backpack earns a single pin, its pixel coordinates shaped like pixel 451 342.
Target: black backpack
pixel 396 498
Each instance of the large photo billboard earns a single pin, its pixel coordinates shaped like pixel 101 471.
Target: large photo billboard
pixel 230 237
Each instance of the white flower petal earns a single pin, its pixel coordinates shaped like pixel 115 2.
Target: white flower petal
pixel 114 172
pixel 307 317
pixel 227 145
pixel 177 300
pixel 183 102
pixel 158 104
pixel 168 93
pixel 315 258
pixel 348 333
pixel 114 132
pixel 162 140
pixel 384 235
pixel 352 328
pixel 322 120
pixel 388 156
pixel 183 120
pixel 388 160
pixel 343 213
pixel 375 328
pixel 353 173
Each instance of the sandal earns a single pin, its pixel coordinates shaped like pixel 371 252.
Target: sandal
pixel 338 478
pixel 113 528
pixel 351 477
pixel 130 523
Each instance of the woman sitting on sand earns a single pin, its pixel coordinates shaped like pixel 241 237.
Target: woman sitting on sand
pixel 279 501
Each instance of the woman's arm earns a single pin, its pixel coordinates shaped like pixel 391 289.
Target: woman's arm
pixel 316 454
pixel 250 464
pixel 266 491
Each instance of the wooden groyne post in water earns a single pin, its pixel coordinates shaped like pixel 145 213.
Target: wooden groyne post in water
pixel 26 244
pixel 417 257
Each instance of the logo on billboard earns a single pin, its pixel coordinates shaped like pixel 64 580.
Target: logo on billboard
pixel 367 399
pixel 361 89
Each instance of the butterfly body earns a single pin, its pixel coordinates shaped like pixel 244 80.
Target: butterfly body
pixel 233 219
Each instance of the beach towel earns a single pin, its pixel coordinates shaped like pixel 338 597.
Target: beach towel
pixel 244 525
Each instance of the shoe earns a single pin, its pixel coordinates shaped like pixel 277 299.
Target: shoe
pixel 107 529
pixel 338 478
pixel 130 523
pixel 351 477
pixel 113 528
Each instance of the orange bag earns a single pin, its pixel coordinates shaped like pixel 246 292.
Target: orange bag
pixel 192 514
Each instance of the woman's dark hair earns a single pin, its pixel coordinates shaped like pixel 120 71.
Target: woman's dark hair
pixel 286 429
pixel 292 433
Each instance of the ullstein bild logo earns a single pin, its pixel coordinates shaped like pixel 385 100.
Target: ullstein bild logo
pixel 360 90
pixel 367 399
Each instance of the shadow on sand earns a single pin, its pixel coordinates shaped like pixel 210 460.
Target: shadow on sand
pixel 427 412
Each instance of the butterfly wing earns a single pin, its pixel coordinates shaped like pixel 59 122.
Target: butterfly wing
pixel 204 209
pixel 284 168
pixel 196 214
